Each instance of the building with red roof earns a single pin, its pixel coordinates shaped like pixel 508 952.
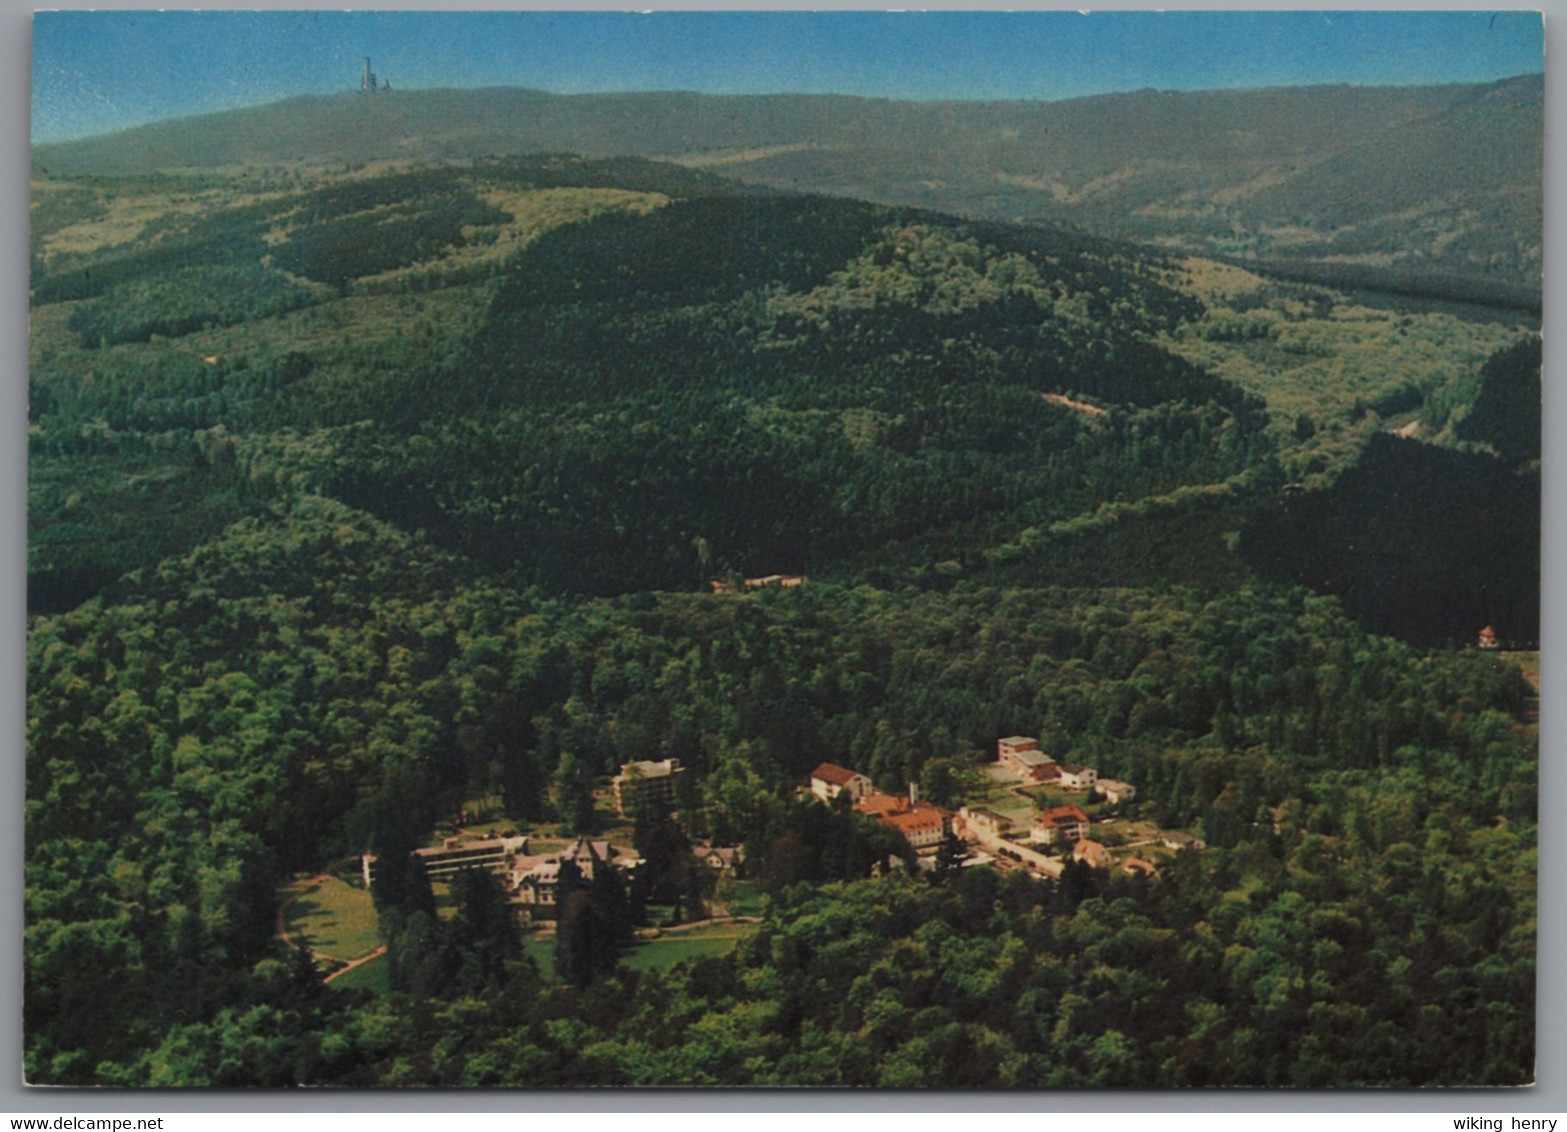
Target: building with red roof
pixel 829 780
pixel 1092 852
pixel 922 828
pixel 877 804
pixel 1062 823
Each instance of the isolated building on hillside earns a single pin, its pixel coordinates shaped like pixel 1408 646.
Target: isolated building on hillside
pixel 1489 639
pixel 829 780
pixel 645 781
pixel 783 581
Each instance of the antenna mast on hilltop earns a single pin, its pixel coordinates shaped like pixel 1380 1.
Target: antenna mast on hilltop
pixel 367 85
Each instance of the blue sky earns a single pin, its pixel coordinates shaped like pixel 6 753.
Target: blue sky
pixel 94 72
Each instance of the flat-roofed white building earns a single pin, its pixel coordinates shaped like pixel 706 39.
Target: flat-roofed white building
pixel 645 781
pixel 1022 756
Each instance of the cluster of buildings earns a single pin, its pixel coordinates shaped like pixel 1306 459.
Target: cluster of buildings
pixel 532 879
pixel 1056 835
pixel 923 825
pixel 1021 755
pixel 1055 826
pixel 780 581
pixel 1044 844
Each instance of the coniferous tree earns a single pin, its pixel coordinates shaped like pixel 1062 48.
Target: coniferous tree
pixel 485 934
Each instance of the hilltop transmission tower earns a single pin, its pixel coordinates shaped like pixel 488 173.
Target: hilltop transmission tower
pixel 367 85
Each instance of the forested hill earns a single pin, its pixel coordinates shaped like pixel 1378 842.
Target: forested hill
pixel 358 495
pixel 605 376
pixel 1424 183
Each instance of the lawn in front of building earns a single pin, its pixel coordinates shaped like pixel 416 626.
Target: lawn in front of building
pixel 336 918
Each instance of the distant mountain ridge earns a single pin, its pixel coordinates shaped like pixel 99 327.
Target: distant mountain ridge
pixel 1444 179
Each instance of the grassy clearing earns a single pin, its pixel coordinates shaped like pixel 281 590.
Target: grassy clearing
pixel 120 219
pixel 375 975
pixel 992 794
pixel 501 827
pixel 652 955
pixel 1336 368
pixel 541 949
pixel 533 212
pixel 1215 282
pixel 742 899
pixel 659 954
pixel 1047 796
pixel 337 919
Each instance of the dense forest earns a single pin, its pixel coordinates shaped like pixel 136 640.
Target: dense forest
pixel 358 494
pixel 1432 187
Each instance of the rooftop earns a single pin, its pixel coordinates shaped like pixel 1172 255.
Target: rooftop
pixel 651 769
pixel 1063 815
pixel 835 774
pixel 913 821
pixel 876 803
